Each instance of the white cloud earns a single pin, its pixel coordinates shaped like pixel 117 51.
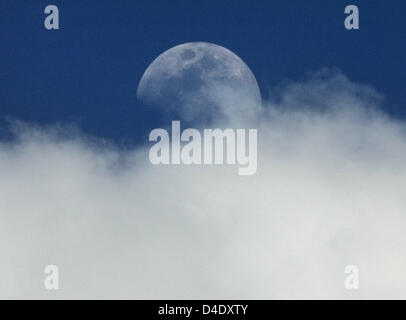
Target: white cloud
pixel 330 190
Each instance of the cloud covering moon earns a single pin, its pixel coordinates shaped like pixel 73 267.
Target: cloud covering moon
pixel 201 82
pixel 330 191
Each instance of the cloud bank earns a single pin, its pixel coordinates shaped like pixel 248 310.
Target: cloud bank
pixel 330 190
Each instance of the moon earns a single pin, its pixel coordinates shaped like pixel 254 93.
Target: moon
pixel 201 82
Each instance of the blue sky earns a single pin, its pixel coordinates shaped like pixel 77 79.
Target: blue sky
pixel 329 190
pixel 88 71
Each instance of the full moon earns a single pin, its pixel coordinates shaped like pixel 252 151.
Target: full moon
pixel 201 82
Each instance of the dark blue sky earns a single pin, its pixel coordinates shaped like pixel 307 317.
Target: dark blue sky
pixel 87 72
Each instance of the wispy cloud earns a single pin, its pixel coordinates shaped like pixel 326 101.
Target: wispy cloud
pixel 330 190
